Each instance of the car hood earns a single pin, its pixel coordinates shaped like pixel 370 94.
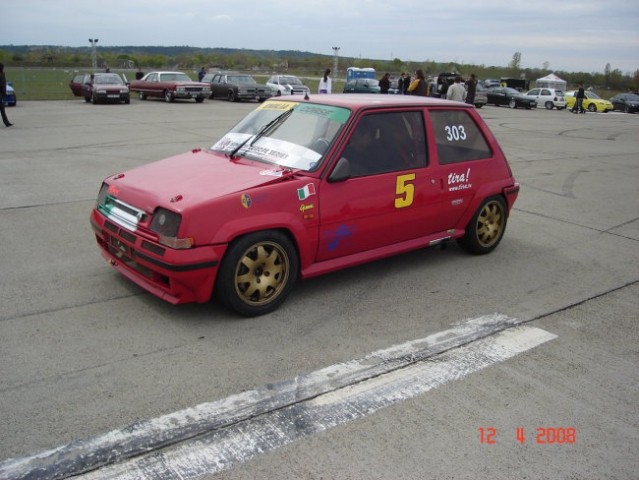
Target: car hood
pixel 190 179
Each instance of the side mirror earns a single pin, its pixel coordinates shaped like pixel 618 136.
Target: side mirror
pixel 341 172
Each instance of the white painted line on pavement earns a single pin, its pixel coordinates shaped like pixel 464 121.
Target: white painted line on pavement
pixel 211 437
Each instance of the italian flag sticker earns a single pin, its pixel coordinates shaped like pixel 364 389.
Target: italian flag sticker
pixel 306 191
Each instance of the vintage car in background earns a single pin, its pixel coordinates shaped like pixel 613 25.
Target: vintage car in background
pixel 548 98
pixel 100 88
pixel 592 102
pixel 170 86
pixel 10 99
pixel 362 85
pixel 300 188
pixel 625 102
pixel 234 86
pixel 287 85
pixel 509 97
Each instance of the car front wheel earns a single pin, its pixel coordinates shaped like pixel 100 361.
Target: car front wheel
pixel 232 96
pixel 486 228
pixel 142 96
pixel 168 97
pixel 257 273
pixel 592 107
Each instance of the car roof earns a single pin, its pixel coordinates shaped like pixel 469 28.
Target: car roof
pixel 364 100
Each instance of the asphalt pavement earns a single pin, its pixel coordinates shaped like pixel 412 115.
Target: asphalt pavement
pixel 518 364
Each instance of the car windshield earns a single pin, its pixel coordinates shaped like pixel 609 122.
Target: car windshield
pixel 632 97
pixel 241 79
pixel 108 80
pixel 175 77
pixel 288 134
pixel 290 80
pixel 593 96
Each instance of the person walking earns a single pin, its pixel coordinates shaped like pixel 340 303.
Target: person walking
pixel 384 83
pixel 471 89
pixel 3 93
pixel 579 100
pixel 418 86
pixel 201 74
pixel 325 82
pixel 456 91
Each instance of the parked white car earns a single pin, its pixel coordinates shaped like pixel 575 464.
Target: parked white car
pixel 548 98
pixel 287 85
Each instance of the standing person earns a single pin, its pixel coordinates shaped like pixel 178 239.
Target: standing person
pixel 325 82
pixel 418 86
pixel 456 91
pixel 406 84
pixel 471 89
pixel 139 74
pixel 201 74
pixel 579 102
pixel 3 93
pixel 384 83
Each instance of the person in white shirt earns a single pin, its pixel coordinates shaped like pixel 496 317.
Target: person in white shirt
pixel 456 91
pixel 325 82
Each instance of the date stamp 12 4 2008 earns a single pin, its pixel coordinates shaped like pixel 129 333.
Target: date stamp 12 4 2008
pixel 542 435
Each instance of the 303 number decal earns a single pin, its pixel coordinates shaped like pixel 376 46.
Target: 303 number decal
pixel 455 133
pixel 404 190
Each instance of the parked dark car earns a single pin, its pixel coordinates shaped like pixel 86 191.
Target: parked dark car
pixel 626 102
pixel 100 88
pixel 510 97
pixel 362 85
pixel 235 86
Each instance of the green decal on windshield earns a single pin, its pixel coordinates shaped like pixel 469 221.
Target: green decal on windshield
pixel 336 114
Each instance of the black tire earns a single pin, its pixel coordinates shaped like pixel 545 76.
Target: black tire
pixel 549 105
pixel 479 105
pixel 142 96
pixel 486 229
pixel 87 99
pixel 232 97
pixel 257 273
pixel 512 103
pixel 199 99
pixel 168 97
pixel 592 107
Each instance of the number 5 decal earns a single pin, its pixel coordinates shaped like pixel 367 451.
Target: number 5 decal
pixel 404 190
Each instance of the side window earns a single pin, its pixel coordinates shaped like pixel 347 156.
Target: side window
pixel 545 92
pixel 458 137
pixel 387 142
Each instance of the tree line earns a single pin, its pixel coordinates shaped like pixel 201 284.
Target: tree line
pixel 301 63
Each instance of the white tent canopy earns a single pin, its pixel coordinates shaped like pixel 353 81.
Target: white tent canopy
pixel 551 81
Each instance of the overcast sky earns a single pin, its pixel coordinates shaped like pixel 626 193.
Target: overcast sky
pixel 571 35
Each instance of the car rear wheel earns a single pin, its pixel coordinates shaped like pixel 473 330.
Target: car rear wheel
pixel 168 97
pixel 486 228
pixel 512 103
pixel 257 273
pixel 592 107
pixel 549 105
pixel 142 96
pixel 232 96
pixel 87 99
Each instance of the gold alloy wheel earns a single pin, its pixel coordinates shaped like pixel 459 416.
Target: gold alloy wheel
pixel 490 223
pixel 262 273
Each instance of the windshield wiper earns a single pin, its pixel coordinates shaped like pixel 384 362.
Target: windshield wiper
pixel 266 128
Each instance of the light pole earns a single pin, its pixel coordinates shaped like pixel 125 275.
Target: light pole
pixel 336 52
pixel 94 55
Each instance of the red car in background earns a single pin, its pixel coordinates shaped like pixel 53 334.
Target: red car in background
pixel 170 86
pixel 301 188
pixel 100 88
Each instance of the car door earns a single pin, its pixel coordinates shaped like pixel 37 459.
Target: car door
pixel 390 195
pixel 76 84
pixel 497 96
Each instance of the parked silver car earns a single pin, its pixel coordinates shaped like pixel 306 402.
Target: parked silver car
pixel 548 98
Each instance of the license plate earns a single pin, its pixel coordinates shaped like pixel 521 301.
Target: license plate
pixel 113 96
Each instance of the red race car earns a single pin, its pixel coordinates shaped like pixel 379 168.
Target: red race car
pixel 302 187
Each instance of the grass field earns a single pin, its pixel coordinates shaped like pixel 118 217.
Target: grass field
pixel 53 83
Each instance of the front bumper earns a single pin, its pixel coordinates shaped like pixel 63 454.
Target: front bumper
pixel 177 276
